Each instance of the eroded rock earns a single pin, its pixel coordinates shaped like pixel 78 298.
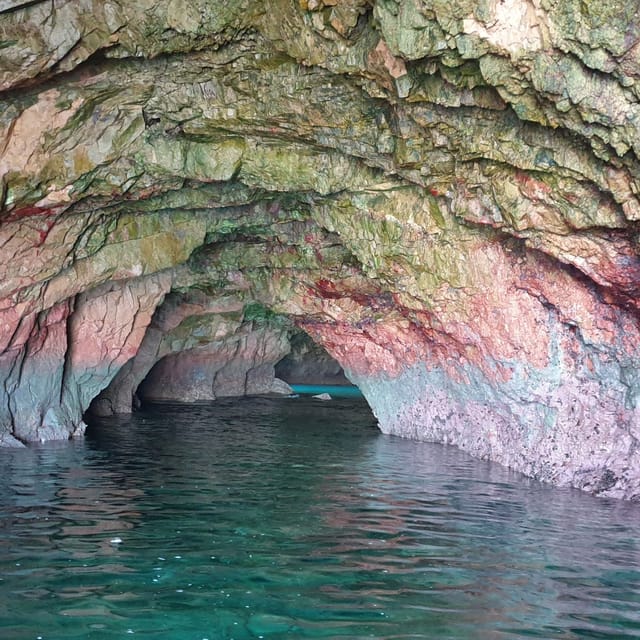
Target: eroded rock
pixel 444 195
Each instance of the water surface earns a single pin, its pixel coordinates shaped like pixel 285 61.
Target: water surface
pixel 295 518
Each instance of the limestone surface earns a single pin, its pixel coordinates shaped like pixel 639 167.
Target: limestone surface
pixel 443 195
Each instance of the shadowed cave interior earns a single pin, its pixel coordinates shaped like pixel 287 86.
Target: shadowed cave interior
pixel 267 356
pixel 442 195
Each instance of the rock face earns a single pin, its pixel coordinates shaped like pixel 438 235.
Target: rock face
pixel 444 195
pixel 198 347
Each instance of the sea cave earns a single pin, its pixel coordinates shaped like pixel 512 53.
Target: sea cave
pixel 442 195
pixel 207 206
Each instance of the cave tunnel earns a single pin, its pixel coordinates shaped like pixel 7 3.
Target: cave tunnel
pixel 206 206
pixel 256 354
pixel 434 211
pixel 244 366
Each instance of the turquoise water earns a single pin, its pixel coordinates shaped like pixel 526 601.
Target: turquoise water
pixel 334 390
pixel 296 518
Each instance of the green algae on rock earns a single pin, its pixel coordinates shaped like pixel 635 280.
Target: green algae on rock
pixel 444 195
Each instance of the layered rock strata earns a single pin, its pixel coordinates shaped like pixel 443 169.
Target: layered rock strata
pixel 444 195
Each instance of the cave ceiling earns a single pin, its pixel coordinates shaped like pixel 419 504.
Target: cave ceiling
pixel 442 194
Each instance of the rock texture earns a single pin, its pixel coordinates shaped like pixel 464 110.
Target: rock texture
pixel 199 348
pixel 444 195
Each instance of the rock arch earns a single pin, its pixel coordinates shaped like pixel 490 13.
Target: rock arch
pixel 441 195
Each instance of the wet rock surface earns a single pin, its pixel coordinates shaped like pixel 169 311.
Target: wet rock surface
pixel 443 195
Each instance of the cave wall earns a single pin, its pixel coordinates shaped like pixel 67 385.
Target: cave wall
pixel 442 194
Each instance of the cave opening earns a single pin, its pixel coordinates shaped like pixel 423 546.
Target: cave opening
pixel 247 367
pixel 309 369
pixel 209 357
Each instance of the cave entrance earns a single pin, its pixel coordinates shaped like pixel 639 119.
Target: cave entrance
pixel 264 361
pixel 257 354
pixel 309 369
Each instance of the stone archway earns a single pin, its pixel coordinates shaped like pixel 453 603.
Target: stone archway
pixel 445 200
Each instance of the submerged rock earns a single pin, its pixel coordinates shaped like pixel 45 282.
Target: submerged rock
pixel 444 196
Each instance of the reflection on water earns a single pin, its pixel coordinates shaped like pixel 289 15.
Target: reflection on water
pixel 297 519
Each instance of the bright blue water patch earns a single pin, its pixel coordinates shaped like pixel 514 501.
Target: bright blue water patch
pixel 297 519
pixel 334 390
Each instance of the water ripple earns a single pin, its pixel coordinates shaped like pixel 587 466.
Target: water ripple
pixel 294 519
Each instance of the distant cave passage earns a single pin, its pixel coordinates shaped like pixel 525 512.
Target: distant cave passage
pixel 292 363
pixel 246 357
pixel 309 364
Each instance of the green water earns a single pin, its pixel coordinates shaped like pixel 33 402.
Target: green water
pixel 295 518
